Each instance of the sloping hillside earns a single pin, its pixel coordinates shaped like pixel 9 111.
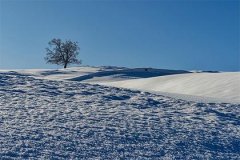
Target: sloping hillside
pixel 201 86
pixel 223 87
pixel 45 119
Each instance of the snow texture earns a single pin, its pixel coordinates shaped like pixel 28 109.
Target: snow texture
pixel 45 119
pixel 198 86
pixel 222 86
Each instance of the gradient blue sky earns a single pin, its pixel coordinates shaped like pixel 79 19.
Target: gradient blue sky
pixel 175 34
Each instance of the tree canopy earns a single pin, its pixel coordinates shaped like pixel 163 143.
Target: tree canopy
pixel 62 53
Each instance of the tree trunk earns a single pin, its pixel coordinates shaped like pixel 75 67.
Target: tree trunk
pixel 65 65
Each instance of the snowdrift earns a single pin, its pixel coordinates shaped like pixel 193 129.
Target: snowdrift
pixel 224 87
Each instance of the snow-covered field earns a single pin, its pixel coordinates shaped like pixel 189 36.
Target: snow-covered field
pixel 51 114
pixel 220 87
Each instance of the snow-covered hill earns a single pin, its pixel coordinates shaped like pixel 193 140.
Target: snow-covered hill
pixel 200 86
pixel 221 87
pixel 48 119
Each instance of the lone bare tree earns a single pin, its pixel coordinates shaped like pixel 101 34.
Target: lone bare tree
pixel 62 53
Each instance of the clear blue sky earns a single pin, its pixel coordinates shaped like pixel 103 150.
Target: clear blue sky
pixel 176 34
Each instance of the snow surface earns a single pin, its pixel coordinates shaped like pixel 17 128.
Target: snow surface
pixel 46 119
pixel 57 74
pixel 198 86
pixel 223 87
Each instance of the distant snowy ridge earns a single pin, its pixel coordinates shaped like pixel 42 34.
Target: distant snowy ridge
pixel 104 75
